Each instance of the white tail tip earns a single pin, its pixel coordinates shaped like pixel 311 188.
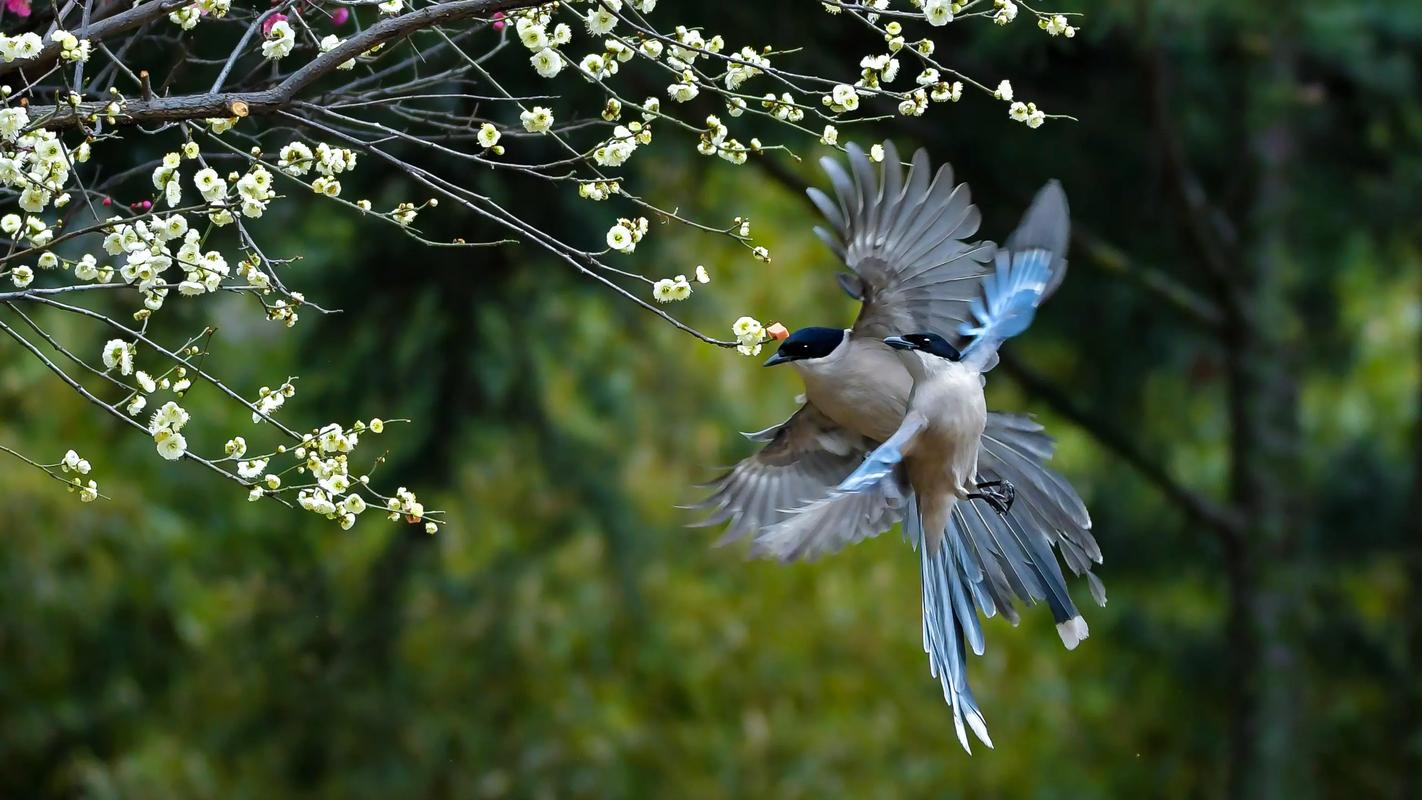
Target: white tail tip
pixel 1073 631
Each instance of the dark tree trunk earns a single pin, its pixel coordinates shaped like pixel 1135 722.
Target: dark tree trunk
pixel 1267 755
pixel 1409 737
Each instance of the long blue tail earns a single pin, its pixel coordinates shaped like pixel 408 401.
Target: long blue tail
pixel 948 615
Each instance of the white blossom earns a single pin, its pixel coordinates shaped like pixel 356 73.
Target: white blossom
pixel 488 136
pixel 1005 13
pixel 534 37
pixel 171 444
pixel 537 119
pixel 280 41
pixel 12 121
pixel 938 12
pixel 600 21
pixel 619 238
pixel 170 415
pixel 251 469
pixel 118 353
pixel 547 63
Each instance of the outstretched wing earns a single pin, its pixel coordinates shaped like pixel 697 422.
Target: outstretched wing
pixel 865 503
pixel 906 241
pixel 832 523
pixel 803 459
pixel 1028 270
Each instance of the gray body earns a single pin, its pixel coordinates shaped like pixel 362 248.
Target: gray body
pixel 941 461
pixel 862 386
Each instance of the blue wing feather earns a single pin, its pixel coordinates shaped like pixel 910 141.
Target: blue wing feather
pixel 1008 303
pixel 885 458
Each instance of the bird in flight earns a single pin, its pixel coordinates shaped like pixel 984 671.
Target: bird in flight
pixel 880 410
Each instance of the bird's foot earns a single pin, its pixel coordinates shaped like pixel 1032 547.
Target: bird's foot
pixel 998 494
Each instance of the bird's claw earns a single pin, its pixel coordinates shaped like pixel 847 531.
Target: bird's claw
pixel 998 494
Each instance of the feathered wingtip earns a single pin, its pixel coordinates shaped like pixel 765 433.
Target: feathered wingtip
pixel 1046 225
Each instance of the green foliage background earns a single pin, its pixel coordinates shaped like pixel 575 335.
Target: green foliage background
pixel 566 636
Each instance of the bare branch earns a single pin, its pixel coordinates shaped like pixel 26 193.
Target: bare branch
pixel 1222 521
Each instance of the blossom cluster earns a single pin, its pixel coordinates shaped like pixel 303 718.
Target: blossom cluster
pixel 297 159
pixel 624 236
pixel 320 475
pixel 191 236
pixel 142 249
pixel 750 334
pixel 614 35
pixel 165 425
pixel 187 17
pixel 88 490
pixel 71 48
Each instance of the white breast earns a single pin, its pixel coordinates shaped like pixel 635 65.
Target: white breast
pixel 950 397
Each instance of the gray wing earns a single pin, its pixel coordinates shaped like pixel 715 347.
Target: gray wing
pixel 1011 557
pixel 803 459
pixel 866 503
pixel 833 522
pixel 905 238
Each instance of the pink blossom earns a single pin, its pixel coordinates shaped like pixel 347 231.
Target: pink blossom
pixel 266 24
pixel 20 8
pixel 499 21
pixel 340 15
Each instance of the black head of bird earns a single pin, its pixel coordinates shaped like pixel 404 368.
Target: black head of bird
pixel 930 343
pixel 807 343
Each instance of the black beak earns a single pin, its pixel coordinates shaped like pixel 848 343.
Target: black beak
pixel 778 358
pixel 900 343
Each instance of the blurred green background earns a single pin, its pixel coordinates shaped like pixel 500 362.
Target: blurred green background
pixel 1231 371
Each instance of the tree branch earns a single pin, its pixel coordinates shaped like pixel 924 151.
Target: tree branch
pixel 96 32
pixel 1110 258
pixel 1195 209
pixel 241 104
pixel 1222 520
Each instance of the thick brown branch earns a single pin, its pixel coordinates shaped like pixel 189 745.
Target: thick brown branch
pixel 239 104
pixel 122 22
